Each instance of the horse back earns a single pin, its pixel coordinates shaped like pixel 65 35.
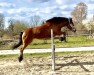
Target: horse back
pixel 43 31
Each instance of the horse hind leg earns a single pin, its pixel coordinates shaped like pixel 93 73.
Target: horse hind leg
pixel 25 41
pixel 20 58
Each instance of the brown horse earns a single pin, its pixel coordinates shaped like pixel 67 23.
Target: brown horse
pixel 43 32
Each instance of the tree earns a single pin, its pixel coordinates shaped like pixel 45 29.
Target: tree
pixel 35 20
pixel 80 12
pixel 19 26
pixel 11 25
pixel 2 19
pixel 16 27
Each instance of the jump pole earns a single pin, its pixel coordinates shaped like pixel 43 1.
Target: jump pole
pixel 53 51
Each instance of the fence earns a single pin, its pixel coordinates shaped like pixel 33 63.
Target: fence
pixel 79 33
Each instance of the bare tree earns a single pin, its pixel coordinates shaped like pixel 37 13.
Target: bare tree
pixel 16 26
pixel 2 19
pixel 11 25
pixel 35 20
pixel 19 27
pixel 80 12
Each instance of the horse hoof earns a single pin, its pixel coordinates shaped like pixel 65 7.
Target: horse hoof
pixel 20 59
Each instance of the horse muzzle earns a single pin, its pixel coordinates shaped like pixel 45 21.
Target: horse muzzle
pixel 74 29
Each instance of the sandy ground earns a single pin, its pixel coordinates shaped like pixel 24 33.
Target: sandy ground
pixel 65 65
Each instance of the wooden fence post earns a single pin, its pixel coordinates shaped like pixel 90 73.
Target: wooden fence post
pixel 53 50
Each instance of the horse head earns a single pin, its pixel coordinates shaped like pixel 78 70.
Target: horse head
pixel 70 25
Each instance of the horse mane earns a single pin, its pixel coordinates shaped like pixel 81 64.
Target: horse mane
pixel 57 20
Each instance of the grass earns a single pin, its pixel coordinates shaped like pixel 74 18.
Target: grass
pixel 77 53
pixel 74 41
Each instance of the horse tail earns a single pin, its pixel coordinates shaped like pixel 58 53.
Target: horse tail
pixel 19 43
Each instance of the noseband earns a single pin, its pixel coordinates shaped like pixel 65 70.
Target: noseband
pixel 71 25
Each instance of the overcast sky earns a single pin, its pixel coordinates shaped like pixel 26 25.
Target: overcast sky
pixel 24 9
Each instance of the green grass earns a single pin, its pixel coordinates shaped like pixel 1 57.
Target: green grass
pixel 74 41
pixel 77 53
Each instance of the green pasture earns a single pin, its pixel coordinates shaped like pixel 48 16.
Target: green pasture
pixel 72 41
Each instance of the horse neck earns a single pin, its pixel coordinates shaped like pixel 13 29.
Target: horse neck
pixel 63 24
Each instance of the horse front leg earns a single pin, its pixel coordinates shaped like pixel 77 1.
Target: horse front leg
pixel 63 36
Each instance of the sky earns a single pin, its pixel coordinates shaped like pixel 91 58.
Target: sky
pixel 25 9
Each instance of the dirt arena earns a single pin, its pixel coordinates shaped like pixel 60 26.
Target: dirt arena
pixel 82 64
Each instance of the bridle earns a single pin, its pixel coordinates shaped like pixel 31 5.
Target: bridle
pixel 71 25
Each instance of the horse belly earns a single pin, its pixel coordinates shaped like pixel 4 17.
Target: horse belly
pixel 42 35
